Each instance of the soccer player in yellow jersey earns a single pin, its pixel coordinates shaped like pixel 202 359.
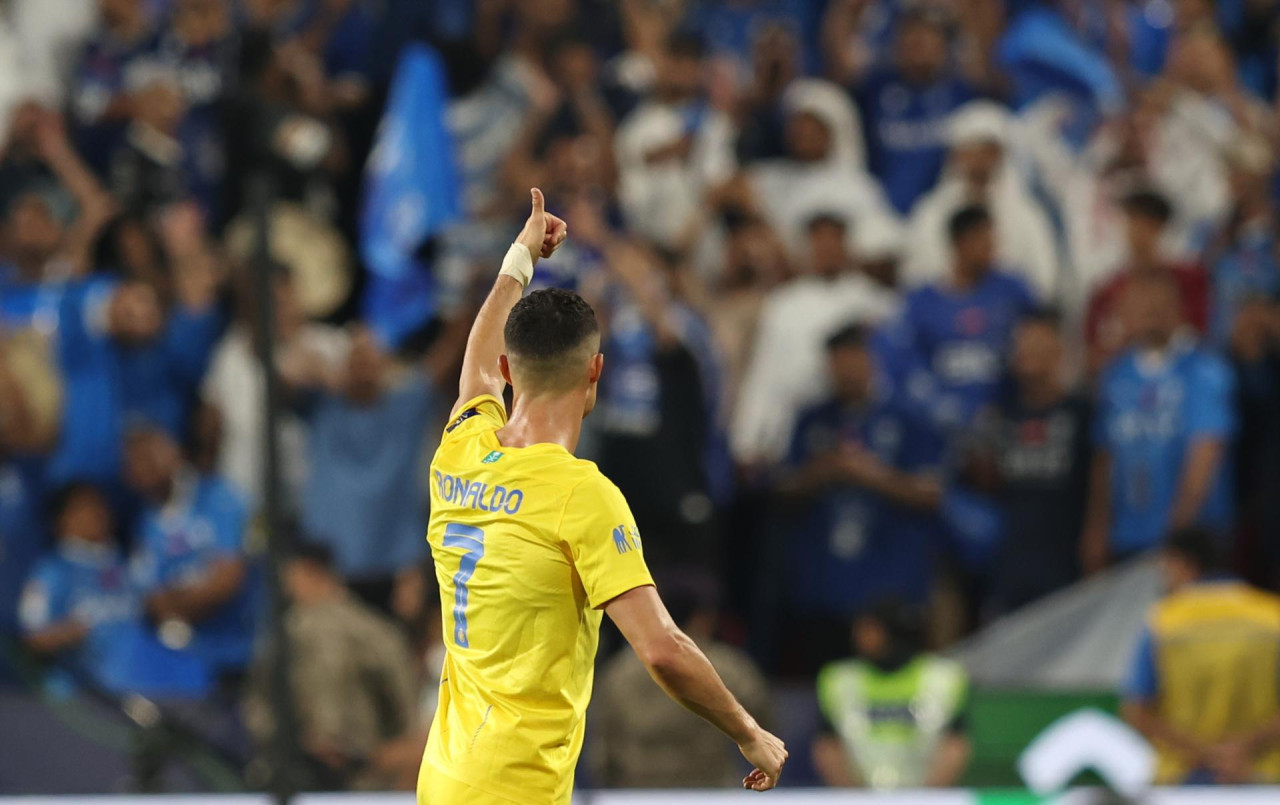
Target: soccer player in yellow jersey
pixel 531 546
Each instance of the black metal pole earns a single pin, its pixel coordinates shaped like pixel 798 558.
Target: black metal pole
pixel 284 756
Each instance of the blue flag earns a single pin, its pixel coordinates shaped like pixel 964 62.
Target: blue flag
pixel 411 193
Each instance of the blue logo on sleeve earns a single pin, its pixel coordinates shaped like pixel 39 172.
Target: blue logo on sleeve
pixel 626 538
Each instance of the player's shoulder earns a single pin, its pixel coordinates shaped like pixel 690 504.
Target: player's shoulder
pixel 587 489
pixel 484 412
pixel 583 475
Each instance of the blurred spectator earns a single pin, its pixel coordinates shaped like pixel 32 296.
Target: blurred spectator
pixel 897 716
pixel 234 387
pixel 760 116
pixel 672 148
pixel 110 61
pixel 822 172
pixel 81 608
pixel 754 262
pixel 961 327
pixel 352 679
pixel 39 244
pixel 1036 461
pixel 567 145
pixel 198 47
pixel 980 171
pixel 189 555
pixel 1243 258
pixel 660 403
pixel 363 496
pixel 861 480
pixel 21 527
pixel 1200 109
pixel 637 729
pixel 279 126
pixel 1164 427
pixel 785 372
pixel 1147 214
pixel 150 168
pixel 1202 684
pixel 906 106
pixel 1255 353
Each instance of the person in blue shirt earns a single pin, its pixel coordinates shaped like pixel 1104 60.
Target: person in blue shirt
pixel 122 357
pixel 22 539
pixel 81 609
pixel 124 43
pixel 189 558
pixel 962 329
pixel 199 46
pixel 862 490
pixel 363 498
pixel 1163 428
pixel 1242 257
pixel 905 105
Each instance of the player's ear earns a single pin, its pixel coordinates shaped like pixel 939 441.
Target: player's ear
pixel 505 367
pixel 596 367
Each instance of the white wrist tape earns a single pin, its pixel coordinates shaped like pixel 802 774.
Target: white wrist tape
pixel 518 264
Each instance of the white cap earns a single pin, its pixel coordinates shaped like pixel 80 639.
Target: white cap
pixel 978 122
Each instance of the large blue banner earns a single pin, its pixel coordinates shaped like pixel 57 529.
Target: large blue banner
pixel 411 193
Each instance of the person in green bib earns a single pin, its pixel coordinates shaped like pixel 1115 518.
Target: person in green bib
pixel 896 715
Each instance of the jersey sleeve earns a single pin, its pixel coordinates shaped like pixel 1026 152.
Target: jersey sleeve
pixel 603 541
pixel 42 602
pixel 1142 682
pixel 485 412
pixel 1210 408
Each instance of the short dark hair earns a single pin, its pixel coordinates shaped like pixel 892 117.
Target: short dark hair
pixel 62 497
pixel 312 552
pixel 1045 315
pixel 850 335
pixel 930 15
pixel 826 219
pixel 1198 546
pixel 967 219
pixel 1148 204
pixel 907 623
pixel 686 44
pixel 546 327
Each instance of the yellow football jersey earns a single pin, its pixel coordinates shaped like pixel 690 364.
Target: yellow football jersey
pixel 528 543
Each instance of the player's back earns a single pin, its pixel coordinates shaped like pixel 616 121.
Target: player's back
pixel 527 543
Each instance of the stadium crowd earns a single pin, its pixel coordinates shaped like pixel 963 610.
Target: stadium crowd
pixel 918 310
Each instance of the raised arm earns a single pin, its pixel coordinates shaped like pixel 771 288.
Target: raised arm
pixel 681 669
pixel 542 235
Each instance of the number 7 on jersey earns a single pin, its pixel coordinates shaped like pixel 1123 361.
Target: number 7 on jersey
pixel 471 540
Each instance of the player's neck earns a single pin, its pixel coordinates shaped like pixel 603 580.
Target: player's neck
pixel 544 420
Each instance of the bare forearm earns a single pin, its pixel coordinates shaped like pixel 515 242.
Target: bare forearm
pixel 905 489
pixel 480 371
pixel 688 678
pixel 949 762
pixel 1145 720
pixel 1197 479
pixel 58 637
pixel 197 601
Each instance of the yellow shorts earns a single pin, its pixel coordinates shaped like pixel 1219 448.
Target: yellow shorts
pixel 435 788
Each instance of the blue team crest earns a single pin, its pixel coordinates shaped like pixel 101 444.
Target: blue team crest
pixel 492 457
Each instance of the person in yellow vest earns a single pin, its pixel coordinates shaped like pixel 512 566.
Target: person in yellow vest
pixel 1204 687
pixel 896 716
